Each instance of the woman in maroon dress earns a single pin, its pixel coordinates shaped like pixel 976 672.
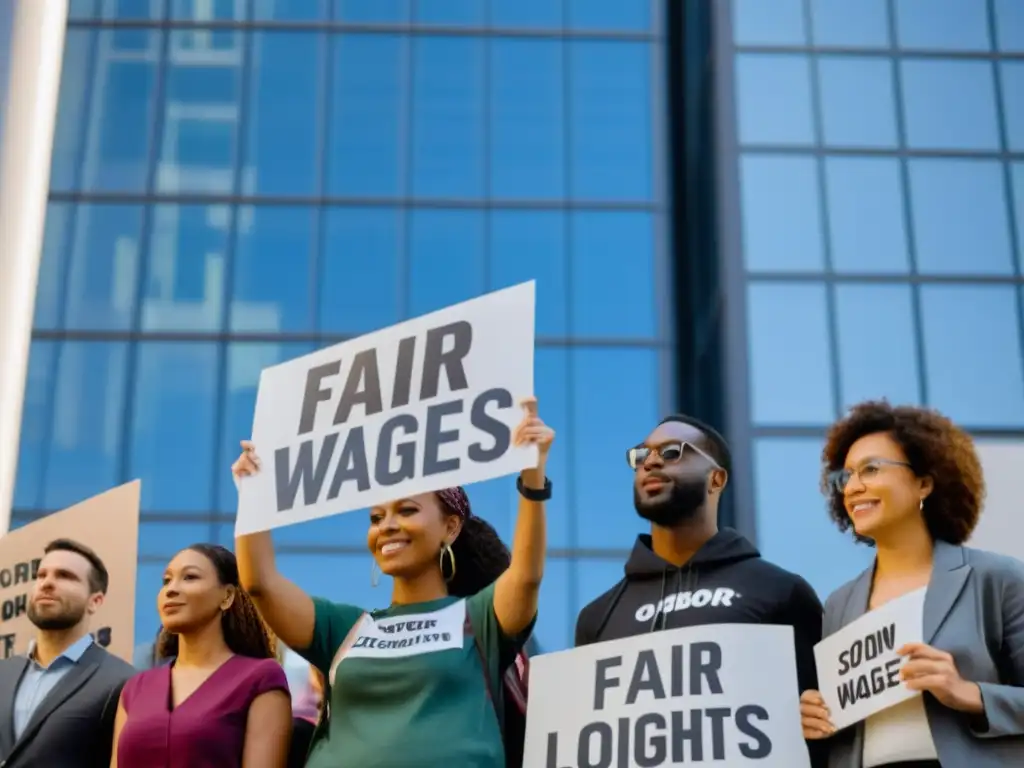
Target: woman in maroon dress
pixel 223 702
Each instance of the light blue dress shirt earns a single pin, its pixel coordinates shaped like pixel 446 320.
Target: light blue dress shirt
pixel 38 681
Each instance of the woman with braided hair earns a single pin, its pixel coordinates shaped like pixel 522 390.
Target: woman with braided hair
pixel 418 683
pixel 223 700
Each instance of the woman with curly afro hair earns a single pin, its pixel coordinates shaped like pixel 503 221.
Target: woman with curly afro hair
pixel 908 482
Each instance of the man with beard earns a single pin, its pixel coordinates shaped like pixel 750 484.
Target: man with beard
pixel 687 572
pixel 58 703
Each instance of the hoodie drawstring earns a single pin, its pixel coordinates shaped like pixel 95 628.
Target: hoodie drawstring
pixel 687 584
pixel 661 601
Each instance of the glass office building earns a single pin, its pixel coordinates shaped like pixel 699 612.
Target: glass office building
pixel 757 212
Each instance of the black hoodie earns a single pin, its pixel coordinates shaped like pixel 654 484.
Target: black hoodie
pixel 725 582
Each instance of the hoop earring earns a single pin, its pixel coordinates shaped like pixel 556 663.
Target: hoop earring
pixel 374 573
pixel 447 549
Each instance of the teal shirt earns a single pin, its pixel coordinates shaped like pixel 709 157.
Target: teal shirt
pixel 406 685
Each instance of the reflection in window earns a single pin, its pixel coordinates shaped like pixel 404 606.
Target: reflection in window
pixel 773 93
pixel 620 15
pixel 610 111
pixel 103 267
pixel 972 354
pixel 201 113
pixel 526 14
pixel 35 425
pixel 1013 103
pixel 448 117
pixel 877 344
pixel 450 13
pixel 185 275
pixel 798 533
pixel 271 293
pixel 362 247
pixel 607 419
pixel 865 210
pixel 284 121
pixel 781 213
pixel 367 115
pixel 52 265
pixel 864 24
pixel 555 620
pixel 132 9
pixel 790 360
pixel 527 120
pixel 531 245
pixel 446 262
pixel 1009 23
pixel 949 104
pixel 857 102
pixel 959 214
pixel 394 11
pixel 613 280
pixel 290 10
pixel 348 578
pixel 79 46
pixel 949 25
pixel 778 23
pixel 172 448
pixel 209 10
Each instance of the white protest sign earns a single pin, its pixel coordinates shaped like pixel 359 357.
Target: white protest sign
pixel 724 694
pixel 420 406
pixel 858 669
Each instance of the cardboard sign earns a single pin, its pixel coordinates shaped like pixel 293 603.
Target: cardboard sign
pixel 109 525
pixel 858 669
pixel 420 406
pixel 724 694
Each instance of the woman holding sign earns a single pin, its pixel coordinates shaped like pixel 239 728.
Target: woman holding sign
pixel 413 684
pixel 908 481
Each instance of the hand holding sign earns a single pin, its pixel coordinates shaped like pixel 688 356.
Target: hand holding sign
pixel 814 716
pixel 531 430
pixel 932 670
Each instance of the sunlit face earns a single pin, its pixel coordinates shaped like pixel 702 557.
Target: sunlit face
pixel 192 595
pixel 880 491
pixel 406 536
pixel 61 596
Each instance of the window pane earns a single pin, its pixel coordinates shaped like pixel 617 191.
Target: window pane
pixel 371 10
pixel 864 24
pixel 1009 18
pixel 362 247
pixel 959 214
pixel 527 14
pixel 1017 174
pixel 103 269
pixel 781 213
pixel 271 293
pixel 773 93
pixel 857 103
pixel 622 386
pixel 949 104
pixel 290 10
pixel 877 344
pixel 530 245
pixel 446 262
pixel 778 23
pixel 173 448
pixel 161 539
pixel 527 121
pixel 595 577
pixel 972 354
pixel 555 621
pixel 448 117
pixel 610 110
pixel 799 535
pixel 36 415
pixel 81 9
pixel 79 49
pixel 613 275
pixel 118 137
pixel 790 360
pixel 349 582
pixel 200 121
pixel 622 15
pixel 52 266
pixel 450 12
pixel 952 25
pixel 1013 103
pixel 208 10
pixel 367 115
pixel 185 276
pixel 132 9
pixel 282 148
pixel 149 578
pixel 866 222
pixel 88 407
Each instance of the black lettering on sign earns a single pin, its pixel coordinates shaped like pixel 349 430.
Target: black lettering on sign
pixel 403 372
pixel 352 464
pixel 867 675
pixel 19 573
pixel 7 645
pixel 362 387
pixel 490 426
pixel 433 464
pixel 868 648
pixel 436 357
pixel 14 607
pixel 315 394
pixel 871 682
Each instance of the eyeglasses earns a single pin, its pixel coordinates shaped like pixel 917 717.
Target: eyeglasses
pixel 865 473
pixel 670 452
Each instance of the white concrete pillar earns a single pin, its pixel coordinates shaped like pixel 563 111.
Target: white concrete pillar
pixel 33 52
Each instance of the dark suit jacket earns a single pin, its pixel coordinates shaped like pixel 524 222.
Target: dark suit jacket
pixel 74 725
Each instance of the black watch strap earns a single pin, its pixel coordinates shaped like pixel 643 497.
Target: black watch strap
pixel 534 494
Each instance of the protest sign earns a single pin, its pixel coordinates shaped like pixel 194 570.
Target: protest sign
pixel 858 669
pixel 109 525
pixel 723 694
pixel 420 406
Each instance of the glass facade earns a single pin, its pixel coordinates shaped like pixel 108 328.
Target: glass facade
pixel 879 159
pixel 237 182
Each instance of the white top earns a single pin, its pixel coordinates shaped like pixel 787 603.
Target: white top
pixel 899 733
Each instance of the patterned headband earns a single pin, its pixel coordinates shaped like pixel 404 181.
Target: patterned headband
pixel 455 501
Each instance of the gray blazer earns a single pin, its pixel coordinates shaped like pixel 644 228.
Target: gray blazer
pixel 73 727
pixel 974 610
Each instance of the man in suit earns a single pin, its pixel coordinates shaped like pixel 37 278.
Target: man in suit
pixel 58 703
